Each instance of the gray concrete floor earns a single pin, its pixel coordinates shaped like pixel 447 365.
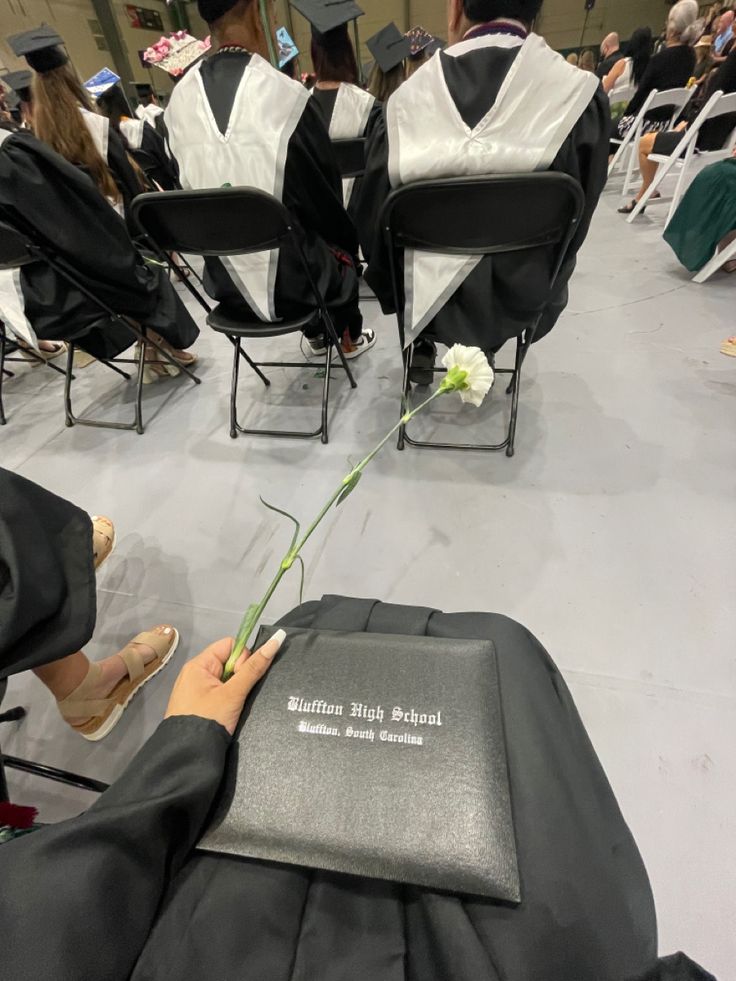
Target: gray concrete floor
pixel 610 535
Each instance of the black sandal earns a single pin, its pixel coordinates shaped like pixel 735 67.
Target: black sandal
pixel 628 208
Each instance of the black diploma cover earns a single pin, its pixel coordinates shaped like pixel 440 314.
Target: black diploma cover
pixel 376 755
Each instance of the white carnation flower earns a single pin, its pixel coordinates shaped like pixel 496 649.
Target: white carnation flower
pixel 468 373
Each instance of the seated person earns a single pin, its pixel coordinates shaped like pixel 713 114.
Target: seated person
pixel 347 110
pixel 59 204
pixel 424 136
pixel 723 42
pixel 235 120
pixel 149 110
pixel 611 53
pixel 670 68
pixel 49 554
pixel 628 72
pixel 63 115
pixel 389 48
pixel 711 136
pixel 154 908
pixel 141 139
pixel 705 219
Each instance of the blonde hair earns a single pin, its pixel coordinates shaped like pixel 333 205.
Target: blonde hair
pixel 383 84
pixel 57 98
pixel 587 61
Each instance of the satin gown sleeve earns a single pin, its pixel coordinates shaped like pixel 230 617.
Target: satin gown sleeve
pixel 79 898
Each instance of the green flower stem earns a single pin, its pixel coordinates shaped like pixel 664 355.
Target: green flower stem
pixel 451 382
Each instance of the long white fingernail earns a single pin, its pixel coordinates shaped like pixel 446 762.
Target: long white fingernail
pixel 273 646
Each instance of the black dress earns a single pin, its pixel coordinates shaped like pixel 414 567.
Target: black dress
pixel 714 132
pixel 151 908
pixel 48 603
pixel 59 205
pixel 670 68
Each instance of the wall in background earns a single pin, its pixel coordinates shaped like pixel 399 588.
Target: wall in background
pixel 561 23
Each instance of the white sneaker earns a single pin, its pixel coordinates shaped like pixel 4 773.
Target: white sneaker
pixel 353 349
pixel 315 348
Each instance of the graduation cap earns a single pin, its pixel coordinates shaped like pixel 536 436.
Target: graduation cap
pixel 389 47
pixel 19 83
pixel 41 47
pixel 436 44
pixel 101 83
pixel 144 91
pixel 326 15
pixel 419 39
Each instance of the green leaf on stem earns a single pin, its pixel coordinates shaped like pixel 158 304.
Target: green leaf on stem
pixel 350 483
pixel 285 514
pixel 301 580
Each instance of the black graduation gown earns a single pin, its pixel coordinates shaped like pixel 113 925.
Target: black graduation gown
pixel 58 204
pixel 154 161
pixel 312 192
pixel 501 296
pixel 121 894
pixel 325 100
pixel 48 602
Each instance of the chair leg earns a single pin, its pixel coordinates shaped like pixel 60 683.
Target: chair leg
pixel 69 419
pixel 234 388
pixel 326 393
pixel 515 386
pixel 139 390
pixel 327 320
pixel 2 373
pixel 252 364
pixel 406 354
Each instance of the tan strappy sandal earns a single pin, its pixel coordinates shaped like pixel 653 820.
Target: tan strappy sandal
pixel 103 541
pixel 103 714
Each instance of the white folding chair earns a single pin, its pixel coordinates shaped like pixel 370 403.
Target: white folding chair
pixel 625 143
pixel 687 157
pixel 718 260
pixel 677 99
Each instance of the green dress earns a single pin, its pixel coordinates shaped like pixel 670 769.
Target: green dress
pixel 705 215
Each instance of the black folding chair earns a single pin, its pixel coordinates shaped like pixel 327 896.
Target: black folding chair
pixel 350 156
pixel 19 247
pixel 38 769
pixel 483 216
pixel 233 221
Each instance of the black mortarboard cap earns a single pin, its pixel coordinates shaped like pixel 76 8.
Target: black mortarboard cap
pixel 389 47
pixel 419 39
pixel 19 82
pixel 326 15
pixel 41 47
pixel 143 91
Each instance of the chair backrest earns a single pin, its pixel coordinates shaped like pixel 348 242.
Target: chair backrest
pixel 720 105
pixel 350 156
pixel 484 215
pixel 14 248
pixel 676 99
pixel 213 221
pixel 487 215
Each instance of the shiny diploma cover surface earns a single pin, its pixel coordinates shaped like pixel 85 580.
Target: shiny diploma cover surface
pixel 375 755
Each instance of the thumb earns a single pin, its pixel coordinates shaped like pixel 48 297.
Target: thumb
pixel 251 671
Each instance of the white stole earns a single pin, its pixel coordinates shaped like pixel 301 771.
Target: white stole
pixel 349 120
pixel 99 130
pixel 132 130
pixel 149 113
pixel 251 153
pixel 538 104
